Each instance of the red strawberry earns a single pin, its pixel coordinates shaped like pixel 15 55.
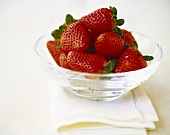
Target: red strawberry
pixel 130 60
pixel 109 44
pixel 102 20
pixel 128 38
pixel 85 62
pixel 54 50
pixel 63 60
pixel 75 38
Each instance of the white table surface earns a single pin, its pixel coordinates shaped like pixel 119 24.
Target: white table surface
pixel 25 87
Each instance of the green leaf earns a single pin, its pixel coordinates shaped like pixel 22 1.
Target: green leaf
pixel 62 28
pixel 56 34
pixel 118 31
pixel 120 22
pixel 126 46
pixel 77 20
pixel 58 45
pixel 69 19
pixel 148 58
pixel 109 67
pixel 114 17
pixel 114 10
pixel 135 45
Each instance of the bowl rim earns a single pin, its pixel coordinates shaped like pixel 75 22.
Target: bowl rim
pixel 97 74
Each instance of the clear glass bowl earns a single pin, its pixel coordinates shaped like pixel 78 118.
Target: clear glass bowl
pixel 100 87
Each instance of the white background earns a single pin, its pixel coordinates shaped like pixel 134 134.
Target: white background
pixel 25 87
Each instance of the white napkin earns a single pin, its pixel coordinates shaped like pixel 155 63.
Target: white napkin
pixel 131 114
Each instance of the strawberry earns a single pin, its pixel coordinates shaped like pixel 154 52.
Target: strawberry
pixel 63 60
pixel 102 20
pixel 85 62
pixel 109 45
pixel 128 38
pixel 130 60
pixel 75 37
pixel 54 50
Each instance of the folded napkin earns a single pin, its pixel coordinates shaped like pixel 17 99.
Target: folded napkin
pixel 131 114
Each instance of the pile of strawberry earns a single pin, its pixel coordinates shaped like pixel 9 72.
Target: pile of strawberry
pixel 96 44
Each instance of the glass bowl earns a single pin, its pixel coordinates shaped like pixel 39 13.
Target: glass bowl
pixel 100 87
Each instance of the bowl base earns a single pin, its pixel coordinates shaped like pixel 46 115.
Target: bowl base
pixel 98 95
pixel 100 99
